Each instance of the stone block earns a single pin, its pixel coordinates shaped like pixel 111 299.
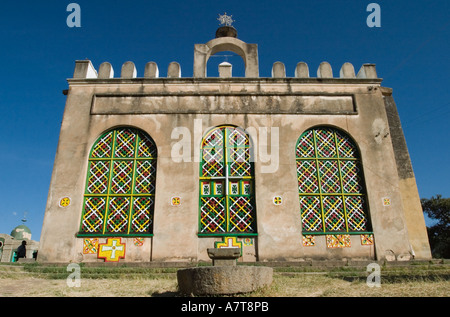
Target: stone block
pixel 105 71
pixel 225 70
pixel 367 71
pixel 174 70
pixel 151 70
pixel 347 71
pixel 302 70
pixel 84 69
pixel 278 70
pixel 128 70
pixel 324 70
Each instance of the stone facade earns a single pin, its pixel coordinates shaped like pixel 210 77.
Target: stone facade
pixel 177 112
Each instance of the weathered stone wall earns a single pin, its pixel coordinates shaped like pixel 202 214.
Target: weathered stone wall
pixel 407 182
pixel 159 106
pixel 176 112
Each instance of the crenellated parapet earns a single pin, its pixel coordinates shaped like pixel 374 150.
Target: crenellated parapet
pixel 85 69
pixel 225 41
pixel 367 71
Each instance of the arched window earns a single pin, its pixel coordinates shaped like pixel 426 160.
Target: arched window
pixel 226 183
pixel 330 183
pixel 120 185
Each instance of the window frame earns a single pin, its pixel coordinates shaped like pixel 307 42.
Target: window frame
pixel 320 195
pixel 245 184
pixel 142 140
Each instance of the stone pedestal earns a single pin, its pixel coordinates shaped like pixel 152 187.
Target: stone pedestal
pixel 225 70
pixel 224 277
pixel 222 280
pixel 224 257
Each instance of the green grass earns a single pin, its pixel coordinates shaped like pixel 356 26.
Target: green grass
pixel 429 271
pixel 34 279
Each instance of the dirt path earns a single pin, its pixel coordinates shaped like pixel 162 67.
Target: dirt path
pixel 34 287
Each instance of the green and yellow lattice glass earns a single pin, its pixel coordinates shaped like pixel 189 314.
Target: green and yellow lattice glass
pixel 226 183
pixel 120 185
pixel 330 183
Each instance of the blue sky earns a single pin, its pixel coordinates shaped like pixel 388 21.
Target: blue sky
pixel 411 50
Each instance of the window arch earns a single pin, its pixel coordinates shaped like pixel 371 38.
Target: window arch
pixel 119 196
pixel 330 183
pixel 226 183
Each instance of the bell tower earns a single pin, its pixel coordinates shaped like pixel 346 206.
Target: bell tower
pixel 226 40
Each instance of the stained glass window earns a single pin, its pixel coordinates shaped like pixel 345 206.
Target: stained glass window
pixel 226 183
pixel 120 185
pixel 330 183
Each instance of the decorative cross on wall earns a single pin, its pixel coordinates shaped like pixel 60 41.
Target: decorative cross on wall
pixel 228 242
pixel 277 200
pixel 112 250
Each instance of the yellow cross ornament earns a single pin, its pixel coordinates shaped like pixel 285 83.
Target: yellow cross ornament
pixel 112 250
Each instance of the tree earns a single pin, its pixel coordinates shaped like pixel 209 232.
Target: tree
pixel 438 208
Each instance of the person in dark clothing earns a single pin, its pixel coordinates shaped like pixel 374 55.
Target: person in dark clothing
pixel 22 250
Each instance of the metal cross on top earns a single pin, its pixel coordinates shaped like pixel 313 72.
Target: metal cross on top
pixel 225 19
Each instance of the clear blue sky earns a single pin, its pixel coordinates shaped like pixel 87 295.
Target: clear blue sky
pixel 411 50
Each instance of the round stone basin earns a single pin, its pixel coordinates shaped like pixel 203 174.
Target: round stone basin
pixel 221 280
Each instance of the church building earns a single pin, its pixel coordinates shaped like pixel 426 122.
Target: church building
pixel 9 243
pixel 152 169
